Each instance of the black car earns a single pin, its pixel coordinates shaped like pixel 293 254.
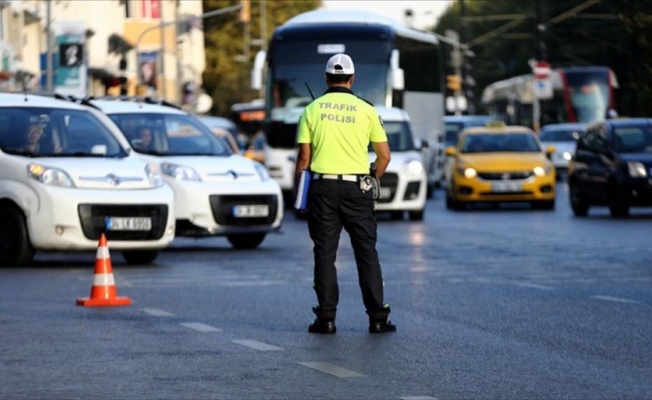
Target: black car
pixel 612 167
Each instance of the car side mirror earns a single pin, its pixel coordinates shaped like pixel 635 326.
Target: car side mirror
pixel 451 151
pixel 424 144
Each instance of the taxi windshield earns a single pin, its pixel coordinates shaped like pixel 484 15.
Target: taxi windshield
pixel 504 142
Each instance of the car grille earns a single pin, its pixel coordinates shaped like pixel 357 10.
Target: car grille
pixel 222 207
pixel 505 176
pixel 93 220
pixel 389 181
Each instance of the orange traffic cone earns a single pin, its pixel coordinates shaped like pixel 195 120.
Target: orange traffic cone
pixel 103 291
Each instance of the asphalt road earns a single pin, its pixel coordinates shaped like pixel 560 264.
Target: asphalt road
pixel 490 303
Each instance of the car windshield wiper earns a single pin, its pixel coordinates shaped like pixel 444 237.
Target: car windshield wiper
pixel 193 154
pixel 152 152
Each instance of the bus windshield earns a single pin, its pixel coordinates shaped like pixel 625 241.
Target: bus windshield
pixel 290 82
pixel 589 95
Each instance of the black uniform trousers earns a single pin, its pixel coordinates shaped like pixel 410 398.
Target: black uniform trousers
pixel 334 204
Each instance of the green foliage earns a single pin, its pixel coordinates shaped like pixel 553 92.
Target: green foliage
pixel 608 32
pixel 228 62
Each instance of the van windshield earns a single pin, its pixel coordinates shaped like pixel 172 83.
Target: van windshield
pixel 55 132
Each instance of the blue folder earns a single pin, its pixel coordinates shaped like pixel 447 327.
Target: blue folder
pixel 301 202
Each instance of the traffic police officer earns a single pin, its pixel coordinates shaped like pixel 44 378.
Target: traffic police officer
pixel 333 136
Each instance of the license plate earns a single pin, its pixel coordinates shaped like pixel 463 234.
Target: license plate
pixel 128 224
pixel 385 193
pixel 506 187
pixel 248 211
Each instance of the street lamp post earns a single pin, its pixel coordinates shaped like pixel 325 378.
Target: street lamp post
pixel 177 21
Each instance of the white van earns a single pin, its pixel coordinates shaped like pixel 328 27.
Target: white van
pixel 67 176
pixel 217 192
pixel 404 185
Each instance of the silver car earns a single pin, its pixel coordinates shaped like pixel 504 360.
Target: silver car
pixel 562 137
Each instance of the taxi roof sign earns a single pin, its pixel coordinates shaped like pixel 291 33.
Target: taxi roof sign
pixel 495 124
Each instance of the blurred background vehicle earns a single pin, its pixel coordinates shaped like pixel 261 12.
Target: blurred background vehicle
pixel 500 163
pixel 78 180
pixel 217 193
pixel 254 147
pixel 612 167
pixel 454 124
pixel 562 137
pixel 405 183
pixel 224 129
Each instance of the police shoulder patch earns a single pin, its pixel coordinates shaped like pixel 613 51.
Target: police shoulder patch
pixel 380 119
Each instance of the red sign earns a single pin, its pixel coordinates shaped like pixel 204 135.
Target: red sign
pixel 542 70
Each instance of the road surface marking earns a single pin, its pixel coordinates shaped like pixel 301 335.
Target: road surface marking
pixel 615 299
pixel 156 312
pixel 331 369
pixel 198 326
pixel 417 398
pixel 534 286
pixel 254 344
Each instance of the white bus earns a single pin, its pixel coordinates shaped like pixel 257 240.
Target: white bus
pixel 395 66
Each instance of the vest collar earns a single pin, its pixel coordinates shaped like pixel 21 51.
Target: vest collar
pixel 338 89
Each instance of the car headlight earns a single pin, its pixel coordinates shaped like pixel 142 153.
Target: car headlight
pixel 467 172
pixel 636 169
pixel 413 167
pixel 180 172
pixel 567 156
pixel 49 175
pixel 542 171
pixel 154 175
pixel 262 171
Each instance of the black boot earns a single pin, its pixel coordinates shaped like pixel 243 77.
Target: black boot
pixel 381 326
pixel 322 326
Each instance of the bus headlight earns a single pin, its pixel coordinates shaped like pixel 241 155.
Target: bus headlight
pixel 636 169
pixel 49 175
pixel 180 172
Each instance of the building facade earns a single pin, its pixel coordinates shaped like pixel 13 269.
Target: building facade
pixel 103 47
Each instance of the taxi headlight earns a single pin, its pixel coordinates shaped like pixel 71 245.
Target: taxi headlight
pixel 154 175
pixel 180 172
pixel 413 167
pixel 542 171
pixel 468 173
pixel 262 171
pixel 636 169
pixel 49 175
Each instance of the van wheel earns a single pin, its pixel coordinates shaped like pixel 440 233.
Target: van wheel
pixel 248 241
pixel 15 248
pixel 578 204
pixel 140 257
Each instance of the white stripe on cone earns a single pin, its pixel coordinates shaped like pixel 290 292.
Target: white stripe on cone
pixel 103 280
pixel 102 253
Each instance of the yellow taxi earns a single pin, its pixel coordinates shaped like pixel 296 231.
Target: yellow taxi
pixel 499 163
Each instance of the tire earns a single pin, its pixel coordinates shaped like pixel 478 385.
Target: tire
pixel 246 241
pixel 618 209
pixel 578 204
pixel 15 247
pixel 140 257
pixel 416 215
pixel 453 204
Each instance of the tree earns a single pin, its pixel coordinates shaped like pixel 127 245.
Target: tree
pixel 228 66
